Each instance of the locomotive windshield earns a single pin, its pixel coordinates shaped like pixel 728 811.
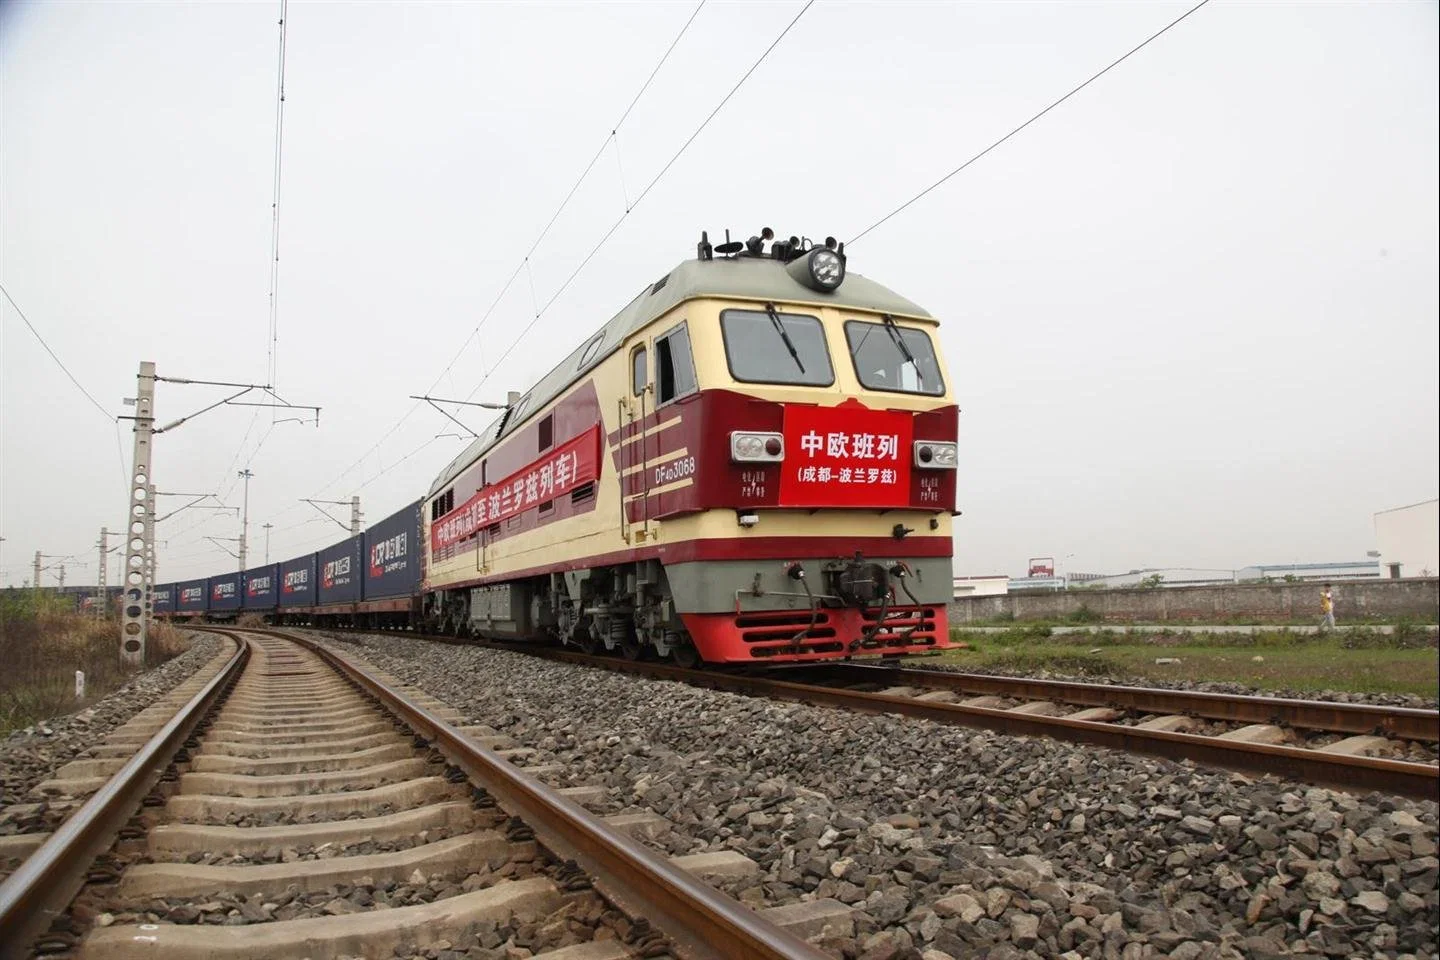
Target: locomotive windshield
pixel 894 358
pixel 766 347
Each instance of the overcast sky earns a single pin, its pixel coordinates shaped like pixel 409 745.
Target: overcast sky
pixel 1190 315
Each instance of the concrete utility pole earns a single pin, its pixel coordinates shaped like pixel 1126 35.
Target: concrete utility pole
pixel 355 515
pixel 139 571
pixel 103 571
pixel 36 581
pixel 266 527
pixel 140 543
pixel 62 576
pixel 245 517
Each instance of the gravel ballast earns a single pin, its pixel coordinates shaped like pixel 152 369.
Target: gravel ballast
pixel 34 753
pixel 955 842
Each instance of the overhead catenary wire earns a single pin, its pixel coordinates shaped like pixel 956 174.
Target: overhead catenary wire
pixel 570 194
pixel 58 362
pixel 273 344
pixel 515 274
pixel 1074 90
pixel 115 421
pixel 630 208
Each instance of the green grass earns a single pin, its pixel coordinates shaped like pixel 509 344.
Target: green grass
pixel 43 642
pixel 1085 616
pixel 1358 660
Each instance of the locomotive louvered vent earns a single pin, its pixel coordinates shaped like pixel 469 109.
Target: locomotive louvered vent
pixel 659 284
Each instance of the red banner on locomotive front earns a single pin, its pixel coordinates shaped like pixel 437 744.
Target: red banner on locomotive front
pixel 846 456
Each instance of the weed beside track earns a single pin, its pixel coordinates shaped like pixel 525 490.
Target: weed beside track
pixel 42 644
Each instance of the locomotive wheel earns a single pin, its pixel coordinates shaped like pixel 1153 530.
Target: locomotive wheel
pixel 631 647
pixel 588 641
pixel 685 655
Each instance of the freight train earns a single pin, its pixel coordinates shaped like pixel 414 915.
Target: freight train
pixel 753 461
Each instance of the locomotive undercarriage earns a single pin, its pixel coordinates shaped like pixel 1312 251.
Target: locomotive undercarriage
pixel 626 609
pixel 742 610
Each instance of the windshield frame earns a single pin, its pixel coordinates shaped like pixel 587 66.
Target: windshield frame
pixel 760 311
pixel 881 328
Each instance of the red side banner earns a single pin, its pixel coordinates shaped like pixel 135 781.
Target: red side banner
pixel 846 456
pixel 572 464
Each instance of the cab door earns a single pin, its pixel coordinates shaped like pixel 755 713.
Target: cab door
pixel 635 405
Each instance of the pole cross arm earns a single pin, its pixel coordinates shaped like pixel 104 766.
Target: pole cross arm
pixel 324 513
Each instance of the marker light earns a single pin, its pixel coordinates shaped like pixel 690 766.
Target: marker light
pixel 935 455
pixel 751 447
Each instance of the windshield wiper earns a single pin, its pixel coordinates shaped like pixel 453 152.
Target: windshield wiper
pixel 894 331
pixel 784 335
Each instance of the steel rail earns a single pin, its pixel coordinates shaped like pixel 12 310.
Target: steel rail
pixel 1402 723
pixel 1310 766
pixel 41 889
pixel 703 923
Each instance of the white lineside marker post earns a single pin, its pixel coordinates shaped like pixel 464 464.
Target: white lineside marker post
pixel 79 684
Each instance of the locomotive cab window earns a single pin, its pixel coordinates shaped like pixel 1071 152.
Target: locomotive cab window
pixel 674 370
pixel 766 347
pixel 638 370
pixel 894 358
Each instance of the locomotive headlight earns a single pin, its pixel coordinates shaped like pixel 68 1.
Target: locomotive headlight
pixel 820 269
pixel 826 268
pixel 750 447
pixel 935 455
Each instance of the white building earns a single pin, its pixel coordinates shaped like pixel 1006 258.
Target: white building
pixel 988 586
pixel 1409 540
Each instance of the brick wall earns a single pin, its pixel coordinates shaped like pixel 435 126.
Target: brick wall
pixel 1411 597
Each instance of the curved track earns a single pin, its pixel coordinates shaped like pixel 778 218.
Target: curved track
pixel 292 747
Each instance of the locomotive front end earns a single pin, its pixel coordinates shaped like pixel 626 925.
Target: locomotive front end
pixel 821 454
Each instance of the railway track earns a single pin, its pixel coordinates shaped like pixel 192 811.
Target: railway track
pixel 299 805
pixel 1351 746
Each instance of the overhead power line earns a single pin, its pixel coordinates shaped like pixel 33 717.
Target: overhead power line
pixel 524 261
pixel 1134 50
pixel 272 355
pixel 95 403
pixel 643 193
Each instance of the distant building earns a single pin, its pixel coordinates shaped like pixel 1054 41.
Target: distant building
pixel 1409 540
pixel 1201 576
pixel 1318 572
pixel 1081 578
pixel 1037 583
pixel 986 586
pixel 1158 576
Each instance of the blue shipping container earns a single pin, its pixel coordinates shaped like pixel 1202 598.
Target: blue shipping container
pixel 190 596
pixel 340 574
pixel 392 555
pixel 225 592
pixel 260 587
pixel 297 582
pixel 162 598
